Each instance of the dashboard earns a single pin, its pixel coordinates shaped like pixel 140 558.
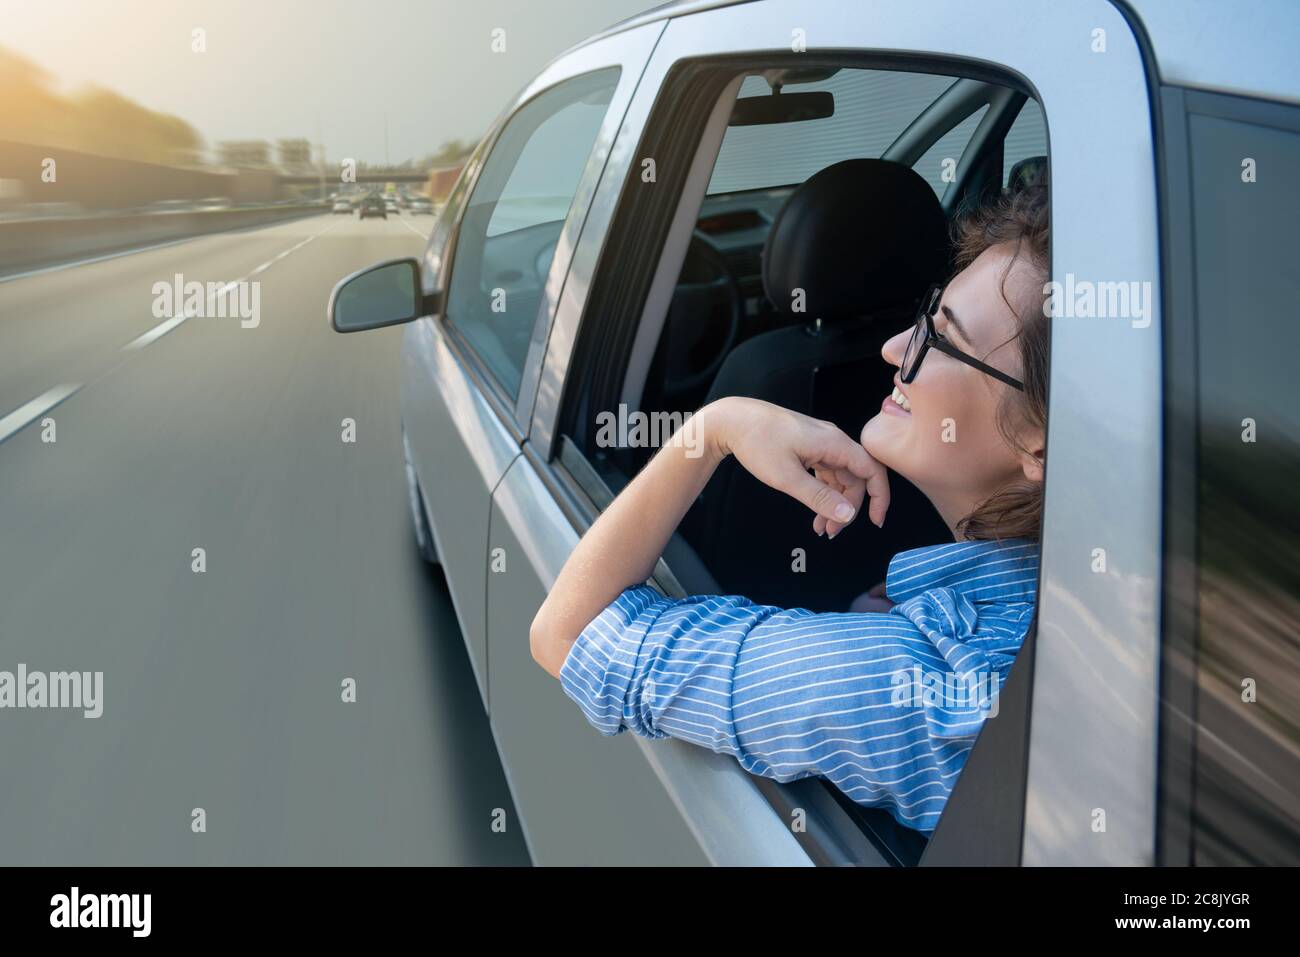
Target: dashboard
pixel 737 224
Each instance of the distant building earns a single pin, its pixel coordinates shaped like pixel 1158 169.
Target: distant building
pixel 295 155
pixel 244 154
pixel 191 157
pixel 442 180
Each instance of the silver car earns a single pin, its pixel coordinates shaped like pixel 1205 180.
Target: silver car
pixel 600 263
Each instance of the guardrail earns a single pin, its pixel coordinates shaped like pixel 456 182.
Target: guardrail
pixel 31 243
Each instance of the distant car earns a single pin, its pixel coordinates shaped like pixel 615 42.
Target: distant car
pixel 421 206
pixel 373 206
pixel 390 204
pixel 341 206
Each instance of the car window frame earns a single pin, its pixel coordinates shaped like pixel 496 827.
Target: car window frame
pixel 838 833
pixel 627 51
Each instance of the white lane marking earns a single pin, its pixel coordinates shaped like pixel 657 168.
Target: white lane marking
pixel 30 411
pixel 414 230
pixel 167 325
pixel 157 332
pixel 26 413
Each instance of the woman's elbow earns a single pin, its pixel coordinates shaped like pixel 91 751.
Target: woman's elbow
pixel 542 644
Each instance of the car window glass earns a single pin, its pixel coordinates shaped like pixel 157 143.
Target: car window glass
pixel 445 225
pixel 872 107
pixel 1247 730
pixel 513 220
pixel 1027 137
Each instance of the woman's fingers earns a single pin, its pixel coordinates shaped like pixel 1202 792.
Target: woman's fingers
pixel 778 447
pixel 852 488
pixel 877 486
pixel 835 450
pixel 821 524
pixel 828 502
pixel 847 484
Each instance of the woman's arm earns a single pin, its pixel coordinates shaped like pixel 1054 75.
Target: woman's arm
pixel 885 706
pixel 778 446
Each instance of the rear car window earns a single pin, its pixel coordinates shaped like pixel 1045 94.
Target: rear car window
pixel 1246 799
pixel 1027 137
pixel 512 223
pixel 872 107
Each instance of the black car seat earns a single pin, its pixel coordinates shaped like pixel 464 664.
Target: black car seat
pixel 856 246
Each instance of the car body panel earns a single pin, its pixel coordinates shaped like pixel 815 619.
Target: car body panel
pixel 1185 57
pixel 460 450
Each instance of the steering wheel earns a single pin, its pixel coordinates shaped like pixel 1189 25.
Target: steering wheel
pixel 688 328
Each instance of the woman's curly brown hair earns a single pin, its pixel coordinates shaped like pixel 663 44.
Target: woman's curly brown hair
pixel 1019 217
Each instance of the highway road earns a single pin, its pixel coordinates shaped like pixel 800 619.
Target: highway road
pixel 223 689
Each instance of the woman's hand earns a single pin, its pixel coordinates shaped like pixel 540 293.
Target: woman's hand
pixel 873 600
pixel 623 544
pixel 779 447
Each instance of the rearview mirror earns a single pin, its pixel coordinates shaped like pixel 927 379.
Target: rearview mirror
pixel 385 294
pixel 782 108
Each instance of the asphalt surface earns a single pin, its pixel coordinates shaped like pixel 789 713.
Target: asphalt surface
pixel 222 690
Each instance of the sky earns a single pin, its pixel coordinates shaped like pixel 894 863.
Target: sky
pixel 332 70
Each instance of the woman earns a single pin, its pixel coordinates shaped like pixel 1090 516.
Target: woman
pixel 885 704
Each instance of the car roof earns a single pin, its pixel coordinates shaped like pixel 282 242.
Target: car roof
pixel 664 11
pixel 1245 48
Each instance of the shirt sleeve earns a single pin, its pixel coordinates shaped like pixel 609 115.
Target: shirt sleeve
pixel 884 706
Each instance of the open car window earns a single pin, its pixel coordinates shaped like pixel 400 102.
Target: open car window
pixel 718 307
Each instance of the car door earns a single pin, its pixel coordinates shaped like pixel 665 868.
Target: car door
pixel 497 255
pixel 1230 758
pixel 1091 742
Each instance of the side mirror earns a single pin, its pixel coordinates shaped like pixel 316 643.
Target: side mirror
pixel 385 294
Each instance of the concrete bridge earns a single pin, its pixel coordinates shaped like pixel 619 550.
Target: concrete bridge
pixel 420 176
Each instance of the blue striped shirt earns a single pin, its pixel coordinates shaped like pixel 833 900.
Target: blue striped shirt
pixel 884 704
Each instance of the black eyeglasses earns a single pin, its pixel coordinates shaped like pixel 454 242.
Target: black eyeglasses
pixel 924 337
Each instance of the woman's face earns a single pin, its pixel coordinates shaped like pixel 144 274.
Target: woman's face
pixel 944 435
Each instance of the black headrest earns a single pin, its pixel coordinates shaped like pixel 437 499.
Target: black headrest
pixel 857 237
pixel 1028 172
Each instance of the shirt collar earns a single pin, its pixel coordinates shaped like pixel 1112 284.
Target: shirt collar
pixel 1004 570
